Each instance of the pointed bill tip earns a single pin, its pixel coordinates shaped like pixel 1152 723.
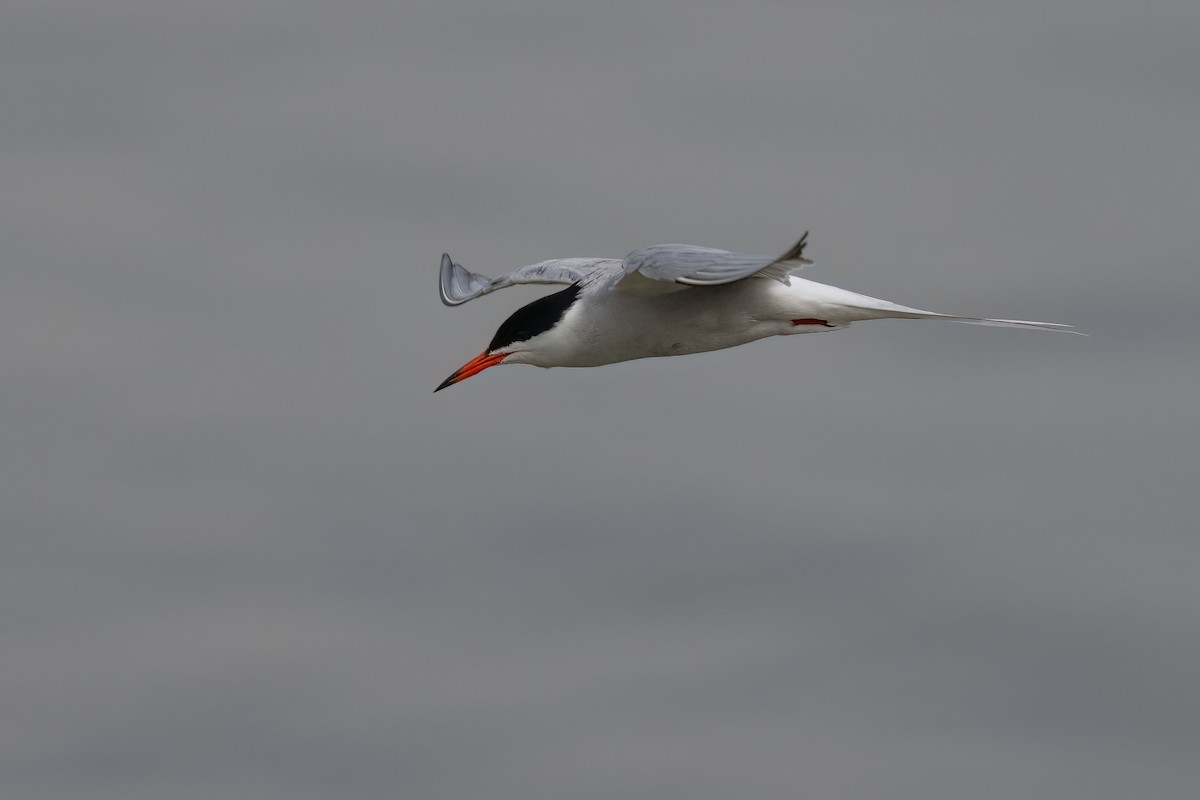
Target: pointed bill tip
pixel 473 367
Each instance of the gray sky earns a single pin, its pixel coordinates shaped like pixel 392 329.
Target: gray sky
pixel 247 553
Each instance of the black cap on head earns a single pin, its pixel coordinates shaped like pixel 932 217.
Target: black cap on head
pixel 538 317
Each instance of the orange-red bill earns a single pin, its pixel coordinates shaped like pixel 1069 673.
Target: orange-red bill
pixel 473 367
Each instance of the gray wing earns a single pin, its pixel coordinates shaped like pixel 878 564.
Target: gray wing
pixel 704 266
pixel 457 284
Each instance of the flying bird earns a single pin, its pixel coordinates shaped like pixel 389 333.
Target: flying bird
pixel 666 300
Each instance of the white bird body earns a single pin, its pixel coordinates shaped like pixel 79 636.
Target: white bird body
pixel 615 326
pixel 667 300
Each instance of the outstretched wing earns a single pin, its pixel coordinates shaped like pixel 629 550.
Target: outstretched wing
pixel 704 266
pixel 457 284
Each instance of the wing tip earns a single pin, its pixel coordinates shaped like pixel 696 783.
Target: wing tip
pixel 445 278
pixel 796 253
pixel 457 284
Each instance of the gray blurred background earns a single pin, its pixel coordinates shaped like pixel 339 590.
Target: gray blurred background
pixel 246 553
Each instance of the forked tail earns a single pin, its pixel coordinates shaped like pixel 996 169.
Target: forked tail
pixel 842 307
pixel 1000 323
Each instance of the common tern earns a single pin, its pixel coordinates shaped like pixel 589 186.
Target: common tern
pixel 666 300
